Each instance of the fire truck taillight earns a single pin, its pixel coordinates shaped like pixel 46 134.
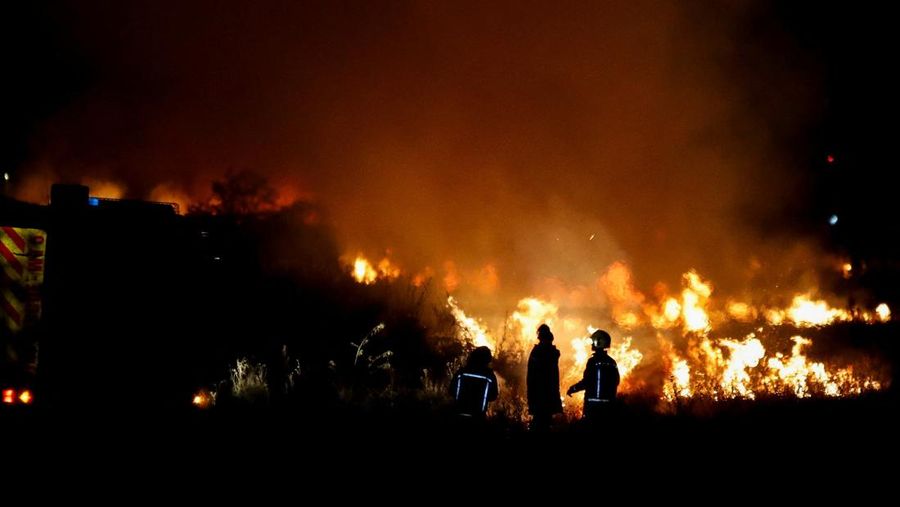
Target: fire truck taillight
pixel 11 397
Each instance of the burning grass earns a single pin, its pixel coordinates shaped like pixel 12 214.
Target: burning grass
pixel 370 334
pixel 690 347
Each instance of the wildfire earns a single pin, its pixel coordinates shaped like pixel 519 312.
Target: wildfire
pixel 626 357
pixel 364 272
pixel 743 356
pixel 105 189
pixel 678 384
pixel 168 193
pixel 743 369
pixel 695 362
pixel 624 299
pixel 671 311
pixel 800 376
pixel 694 298
pixel 472 331
pixel 741 311
pixel 531 313
pixel 884 313
pixel 691 312
pixel 807 313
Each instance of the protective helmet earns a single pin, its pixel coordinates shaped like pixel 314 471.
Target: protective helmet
pixel 543 332
pixel 600 340
pixel 481 356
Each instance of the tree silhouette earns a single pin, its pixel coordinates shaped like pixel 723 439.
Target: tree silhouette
pixel 244 192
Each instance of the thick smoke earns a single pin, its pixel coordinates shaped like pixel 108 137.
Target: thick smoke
pixel 533 143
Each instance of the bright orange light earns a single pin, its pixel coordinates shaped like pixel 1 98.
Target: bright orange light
pixel 847 269
pixel 26 397
pixel 703 364
pixel 105 189
pixel 694 298
pixel 363 271
pixel 627 320
pixel 367 273
pixel 470 329
pixel 9 396
pixel 626 357
pixel 201 400
pixel 884 312
pixel 168 193
pixel 672 309
pixel 678 384
pixel 740 311
pixel 805 312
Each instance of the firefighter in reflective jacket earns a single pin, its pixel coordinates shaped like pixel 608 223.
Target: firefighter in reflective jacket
pixel 475 384
pixel 600 380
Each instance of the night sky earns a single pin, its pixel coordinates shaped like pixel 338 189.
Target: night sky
pixel 677 134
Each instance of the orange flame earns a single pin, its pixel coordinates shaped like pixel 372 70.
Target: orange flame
pixel 105 189
pixel 471 330
pixel 884 313
pixel 364 272
pixel 742 369
pixel 805 312
pixel 704 365
pixel 694 298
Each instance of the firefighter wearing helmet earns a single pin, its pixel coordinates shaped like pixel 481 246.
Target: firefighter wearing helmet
pixel 600 380
pixel 475 385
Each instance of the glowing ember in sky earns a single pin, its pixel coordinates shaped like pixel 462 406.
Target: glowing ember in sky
pixel 847 269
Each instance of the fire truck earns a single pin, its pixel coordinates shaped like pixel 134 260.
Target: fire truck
pixel 22 254
pixel 93 303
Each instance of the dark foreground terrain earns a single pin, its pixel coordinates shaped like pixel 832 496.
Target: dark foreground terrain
pixel 805 446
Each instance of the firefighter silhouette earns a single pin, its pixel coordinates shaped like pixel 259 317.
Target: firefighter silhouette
pixel 475 385
pixel 543 381
pixel 600 380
